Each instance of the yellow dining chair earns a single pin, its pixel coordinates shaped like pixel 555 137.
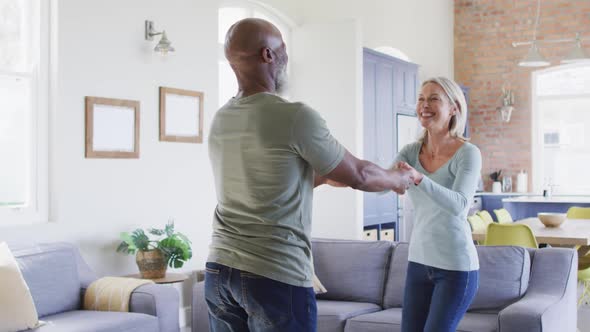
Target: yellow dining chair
pixel 485 216
pixel 576 212
pixel 510 235
pixel 503 216
pixel 477 224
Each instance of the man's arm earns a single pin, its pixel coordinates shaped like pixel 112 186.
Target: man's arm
pixel 366 176
pixel 319 180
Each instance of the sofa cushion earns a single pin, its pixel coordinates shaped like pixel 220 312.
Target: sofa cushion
pixel 352 270
pixel 50 271
pixel 478 322
pixel 396 277
pixel 391 320
pixel 503 276
pixel 99 321
pixel 332 315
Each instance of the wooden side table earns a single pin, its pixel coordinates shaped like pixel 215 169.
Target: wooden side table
pixel 170 278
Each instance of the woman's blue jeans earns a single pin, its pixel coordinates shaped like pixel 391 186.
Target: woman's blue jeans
pixel 435 300
pixel 243 301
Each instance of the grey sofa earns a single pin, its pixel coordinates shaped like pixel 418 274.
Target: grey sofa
pixel 520 290
pixel 58 276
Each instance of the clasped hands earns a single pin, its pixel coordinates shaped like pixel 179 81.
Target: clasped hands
pixel 403 176
pixel 408 175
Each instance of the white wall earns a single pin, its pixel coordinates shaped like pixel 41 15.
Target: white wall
pixel 101 52
pixel 422 29
pixel 326 63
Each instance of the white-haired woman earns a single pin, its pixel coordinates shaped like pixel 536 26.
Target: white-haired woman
pixel 443 268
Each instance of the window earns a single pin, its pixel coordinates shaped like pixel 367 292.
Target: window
pixel 24 26
pixel 561 129
pixel 228 15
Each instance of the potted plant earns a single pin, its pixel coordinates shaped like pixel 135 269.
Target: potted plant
pixel 496 186
pixel 156 250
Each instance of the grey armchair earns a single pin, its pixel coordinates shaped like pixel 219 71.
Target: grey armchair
pixel 57 277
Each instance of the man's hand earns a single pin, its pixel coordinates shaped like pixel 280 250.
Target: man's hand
pixel 417 176
pixel 403 180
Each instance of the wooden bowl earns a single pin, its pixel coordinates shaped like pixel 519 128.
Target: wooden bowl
pixel 551 219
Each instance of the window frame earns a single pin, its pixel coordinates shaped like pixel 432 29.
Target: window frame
pixel 537 138
pixel 36 209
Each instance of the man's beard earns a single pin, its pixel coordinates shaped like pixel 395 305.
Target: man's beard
pixel 281 80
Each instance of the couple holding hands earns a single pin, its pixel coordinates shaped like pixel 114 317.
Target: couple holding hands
pixel 267 156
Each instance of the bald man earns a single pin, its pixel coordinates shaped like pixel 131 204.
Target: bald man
pixel 267 155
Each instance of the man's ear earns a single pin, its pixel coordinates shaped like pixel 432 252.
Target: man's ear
pixel 267 55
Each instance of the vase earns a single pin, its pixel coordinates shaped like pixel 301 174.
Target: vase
pixel 151 264
pixel 497 187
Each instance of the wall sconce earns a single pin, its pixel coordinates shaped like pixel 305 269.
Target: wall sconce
pixel 507 104
pixel 164 45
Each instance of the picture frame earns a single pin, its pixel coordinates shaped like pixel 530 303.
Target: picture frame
pixel 112 128
pixel 181 115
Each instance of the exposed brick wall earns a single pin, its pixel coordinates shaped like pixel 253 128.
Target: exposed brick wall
pixel 485 61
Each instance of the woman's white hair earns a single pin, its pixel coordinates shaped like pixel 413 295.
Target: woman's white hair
pixel 457 99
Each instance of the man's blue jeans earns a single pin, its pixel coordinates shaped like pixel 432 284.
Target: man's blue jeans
pixel 435 300
pixel 243 301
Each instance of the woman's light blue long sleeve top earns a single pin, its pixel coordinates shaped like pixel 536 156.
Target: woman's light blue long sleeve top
pixel 441 236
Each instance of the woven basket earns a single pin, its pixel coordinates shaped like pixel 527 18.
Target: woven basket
pixel 151 263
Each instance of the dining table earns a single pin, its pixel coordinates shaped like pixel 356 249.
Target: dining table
pixel 572 233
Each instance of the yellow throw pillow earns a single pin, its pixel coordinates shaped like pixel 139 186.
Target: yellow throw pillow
pixel 17 309
pixel 318 288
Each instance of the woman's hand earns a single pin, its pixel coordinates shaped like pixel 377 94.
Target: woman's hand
pixel 417 176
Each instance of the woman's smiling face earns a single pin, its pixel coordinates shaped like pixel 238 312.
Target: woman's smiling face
pixel 434 108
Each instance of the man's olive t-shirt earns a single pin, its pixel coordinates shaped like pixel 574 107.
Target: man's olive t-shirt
pixel 264 151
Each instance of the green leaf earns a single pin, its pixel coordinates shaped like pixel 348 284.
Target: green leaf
pixel 123 247
pixel 169 229
pixel 156 231
pixel 184 238
pixel 127 245
pixel 140 240
pixel 176 249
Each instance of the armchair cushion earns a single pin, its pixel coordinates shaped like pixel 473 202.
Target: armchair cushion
pixel 99 321
pixel 51 272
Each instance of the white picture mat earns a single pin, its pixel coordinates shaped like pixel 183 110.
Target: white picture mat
pixel 113 128
pixel 182 115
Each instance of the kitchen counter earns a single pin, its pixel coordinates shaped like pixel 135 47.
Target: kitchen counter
pixel 552 199
pixel 488 193
pixel 521 207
